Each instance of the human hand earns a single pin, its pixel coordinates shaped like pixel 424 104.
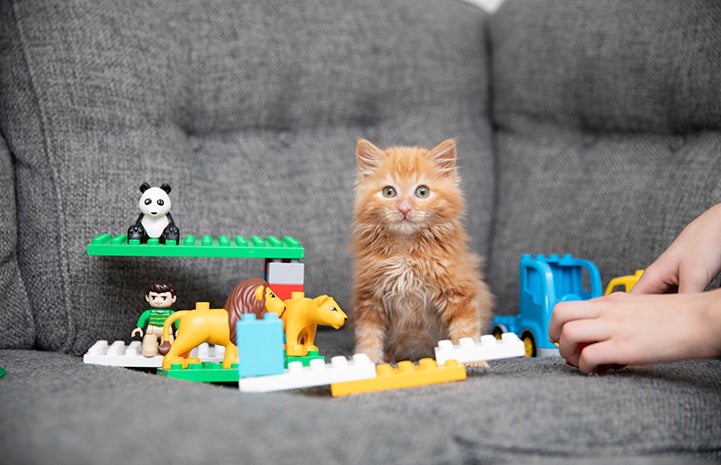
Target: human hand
pixel 690 262
pixel 137 332
pixel 632 329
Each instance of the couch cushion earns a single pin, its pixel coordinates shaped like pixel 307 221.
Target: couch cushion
pixel 16 324
pixel 518 411
pixel 522 410
pixel 609 130
pixel 111 415
pixel 249 110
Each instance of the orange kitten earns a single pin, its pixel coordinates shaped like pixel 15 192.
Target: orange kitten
pixel 416 280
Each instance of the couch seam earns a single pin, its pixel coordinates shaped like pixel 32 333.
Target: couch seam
pixel 43 125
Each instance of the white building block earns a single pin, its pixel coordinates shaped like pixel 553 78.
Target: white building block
pixel 489 348
pixel 317 374
pixel 120 355
pixel 285 273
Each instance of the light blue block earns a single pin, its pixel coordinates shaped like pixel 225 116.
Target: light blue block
pixel 260 345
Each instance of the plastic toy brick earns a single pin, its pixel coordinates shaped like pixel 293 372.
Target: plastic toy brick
pixel 625 282
pixel 406 375
pixel 206 372
pixel 260 345
pixel 285 273
pixel 317 373
pixel 271 247
pixel 285 278
pixel 285 291
pixel 305 359
pixel 121 355
pixel 488 348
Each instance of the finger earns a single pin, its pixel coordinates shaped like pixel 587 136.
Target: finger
pixel 596 358
pixel 657 279
pixel 578 334
pixel 692 279
pixel 565 312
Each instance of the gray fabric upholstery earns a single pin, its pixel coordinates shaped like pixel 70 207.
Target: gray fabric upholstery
pixel 16 325
pixel 583 127
pixel 517 411
pixel 250 111
pixel 608 130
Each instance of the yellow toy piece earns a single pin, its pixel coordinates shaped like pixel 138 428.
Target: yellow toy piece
pixel 406 375
pixel 216 325
pixel 197 326
pixel 301 318
pixel 627 282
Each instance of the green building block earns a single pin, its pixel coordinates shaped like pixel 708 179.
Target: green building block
pixel 205 372
pixel 305 359
pixel 213 372
pixel 272 247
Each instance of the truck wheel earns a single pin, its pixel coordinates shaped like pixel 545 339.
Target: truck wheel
pixel 529 344
pixel 498 332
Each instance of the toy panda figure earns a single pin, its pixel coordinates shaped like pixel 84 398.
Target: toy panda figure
pixel 154 220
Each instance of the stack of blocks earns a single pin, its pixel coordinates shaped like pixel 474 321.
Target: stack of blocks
pixel 285 278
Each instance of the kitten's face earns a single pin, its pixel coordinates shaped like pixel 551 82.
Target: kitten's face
pixel 407 189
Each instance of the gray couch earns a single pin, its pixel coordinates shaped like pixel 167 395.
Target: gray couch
pixel 591 128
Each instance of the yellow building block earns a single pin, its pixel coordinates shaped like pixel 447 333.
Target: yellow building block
pixel 406 375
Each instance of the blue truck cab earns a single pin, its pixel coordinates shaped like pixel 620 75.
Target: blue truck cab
pixel 545 281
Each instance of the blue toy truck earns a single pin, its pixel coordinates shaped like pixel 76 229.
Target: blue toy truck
pixel 545 281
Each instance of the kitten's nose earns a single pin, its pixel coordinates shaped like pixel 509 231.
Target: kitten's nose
pixel 405 207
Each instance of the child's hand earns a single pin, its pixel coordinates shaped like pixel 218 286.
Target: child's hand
pixel 637 329
pixel 690 262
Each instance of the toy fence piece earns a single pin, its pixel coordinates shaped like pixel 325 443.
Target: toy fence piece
pixel 406 375
pixel 317 373
pixel 488 348
pixel 121 355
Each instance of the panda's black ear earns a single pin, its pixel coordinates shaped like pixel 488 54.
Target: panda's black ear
pixel 144 187
pixel 165 187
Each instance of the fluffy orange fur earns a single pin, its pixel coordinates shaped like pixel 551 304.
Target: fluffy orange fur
pixel 416 280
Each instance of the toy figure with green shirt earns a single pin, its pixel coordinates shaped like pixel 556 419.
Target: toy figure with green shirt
pixel 160 295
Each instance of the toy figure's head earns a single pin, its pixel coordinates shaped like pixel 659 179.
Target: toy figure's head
pixel 155 201
pixel 160 294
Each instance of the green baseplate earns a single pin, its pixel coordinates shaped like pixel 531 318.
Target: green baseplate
pixel 213 372
pixel 272 247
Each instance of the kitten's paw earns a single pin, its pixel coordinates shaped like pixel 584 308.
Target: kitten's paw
pixel 376 356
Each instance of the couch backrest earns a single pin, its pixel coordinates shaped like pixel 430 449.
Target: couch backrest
pixel 608 118
pixel 249 110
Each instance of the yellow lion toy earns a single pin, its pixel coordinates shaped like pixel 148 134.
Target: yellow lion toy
pixel 217 326
pixel 301 317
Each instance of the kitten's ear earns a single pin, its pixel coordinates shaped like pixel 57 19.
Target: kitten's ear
pixel 368 156
pixel 444 156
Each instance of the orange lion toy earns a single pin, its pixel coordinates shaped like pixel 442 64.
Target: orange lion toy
pixel 216 325
pixel 302 316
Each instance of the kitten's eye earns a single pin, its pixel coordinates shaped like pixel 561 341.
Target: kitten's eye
pixel 422 192
pixel 388 192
